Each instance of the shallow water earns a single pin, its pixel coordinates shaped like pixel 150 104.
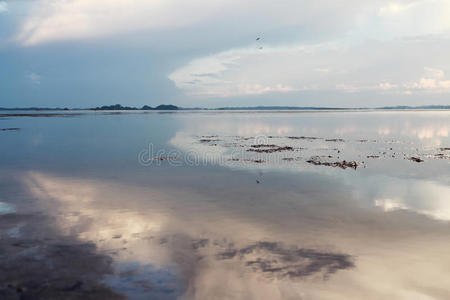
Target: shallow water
pixel 180 205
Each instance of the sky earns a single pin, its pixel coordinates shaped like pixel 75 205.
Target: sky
pixel 213 53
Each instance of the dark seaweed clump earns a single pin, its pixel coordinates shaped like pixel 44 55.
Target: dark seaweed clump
pixel 416 159
pixel 10 129
pixel 340 164
pixel 269 149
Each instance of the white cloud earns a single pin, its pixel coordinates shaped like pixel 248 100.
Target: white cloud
pixel 208 77
pixel 246 71
pixel 358 46
pixel 413 18
pixel 387 86
pixel 434 73
pixel 257 89
pixel 3 7
pixel 33 77
pixel 350 67
pixel 347 88
pixel 68 20
pixel 322 70
pixel 395 8
pixel 433 80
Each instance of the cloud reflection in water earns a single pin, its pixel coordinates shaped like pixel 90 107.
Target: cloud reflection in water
pixel 179 242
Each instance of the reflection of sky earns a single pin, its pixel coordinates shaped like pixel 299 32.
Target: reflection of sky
pixel 5 208
pixel 165 227
pixel 423 197
pixel 156 227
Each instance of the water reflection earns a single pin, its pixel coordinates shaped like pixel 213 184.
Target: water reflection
pixel 384 143
pixel 284 229
pixel 171 241
pixel 423 197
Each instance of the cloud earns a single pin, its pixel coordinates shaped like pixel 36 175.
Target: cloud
pixel 258 89
pixel 249 71
pixel 208 77
pixel 335 48
pixel 413 18
pixel 33 77
pixel 71 20
pixel 433 80
pixel 387 86
pixel 51 21
pixel 395 8
pixel 351 67
pixel 3 7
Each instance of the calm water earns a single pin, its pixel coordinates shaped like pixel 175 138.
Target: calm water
pixel 181 206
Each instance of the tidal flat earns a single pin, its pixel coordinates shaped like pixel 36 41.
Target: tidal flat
pixel 225 205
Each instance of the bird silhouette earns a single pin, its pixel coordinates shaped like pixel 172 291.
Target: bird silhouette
pixel 258 38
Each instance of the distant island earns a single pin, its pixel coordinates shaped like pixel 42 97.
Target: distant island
pixel 282 108
pixel 331 108
pixel 145 107
pixel 171 107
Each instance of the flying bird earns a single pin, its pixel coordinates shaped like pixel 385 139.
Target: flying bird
pixel 258 38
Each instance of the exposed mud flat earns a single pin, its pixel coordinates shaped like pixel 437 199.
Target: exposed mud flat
pixel 208 140
pixel 336 164
pixel 320 151
pixel 416 159
pixel 441 156
pixel 269 148
pixel 303 138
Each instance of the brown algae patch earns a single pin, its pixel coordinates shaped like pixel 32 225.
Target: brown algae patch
pixel 10 129
pixel 269 148
pixel 303 138
pixel 340 164
pixel 416 159
pixel 322 153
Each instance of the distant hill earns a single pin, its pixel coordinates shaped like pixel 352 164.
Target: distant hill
pixel 280 108
pixel 417 107
pixel 145 107
pixel 173 107
pixel 114 107
pixel 166 107
pixel 332 108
